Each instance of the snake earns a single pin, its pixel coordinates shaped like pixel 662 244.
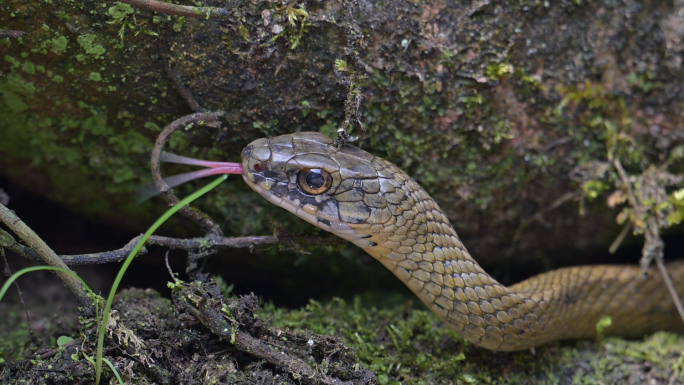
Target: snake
pixel 375 205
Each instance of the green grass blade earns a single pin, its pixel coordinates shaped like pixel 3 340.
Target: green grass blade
pixel 118 377
pixel 21 272
pixel 129 259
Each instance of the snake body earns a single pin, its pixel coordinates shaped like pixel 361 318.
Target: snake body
pixel 372 203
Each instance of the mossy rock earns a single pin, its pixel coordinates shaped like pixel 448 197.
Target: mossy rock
pixel 488 106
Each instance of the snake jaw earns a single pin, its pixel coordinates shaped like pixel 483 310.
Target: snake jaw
pixel 338 228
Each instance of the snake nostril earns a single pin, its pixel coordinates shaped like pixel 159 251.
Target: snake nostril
pixel 258 167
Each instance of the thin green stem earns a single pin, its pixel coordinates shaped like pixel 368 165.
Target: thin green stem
pixel 116 373
pixel 129 259
pixel 21 272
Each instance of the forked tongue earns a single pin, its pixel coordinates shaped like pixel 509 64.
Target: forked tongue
pixel 148 190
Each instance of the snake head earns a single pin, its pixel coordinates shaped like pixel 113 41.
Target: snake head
pixel 337 189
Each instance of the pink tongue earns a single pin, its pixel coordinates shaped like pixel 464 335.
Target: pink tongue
pixel 235 168
pixel 179 179
pixel 148 190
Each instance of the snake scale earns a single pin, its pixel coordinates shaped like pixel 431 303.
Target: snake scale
pixel 372 203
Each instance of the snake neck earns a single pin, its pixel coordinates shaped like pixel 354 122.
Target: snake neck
pixel 419 245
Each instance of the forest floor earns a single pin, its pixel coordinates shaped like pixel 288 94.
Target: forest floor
pixel 191 339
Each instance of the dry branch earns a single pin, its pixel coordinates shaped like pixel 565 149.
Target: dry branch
pixel 11 34
pixel 9 218
pixel 653 243
pixel 212 243
pixel 234 321
pixel 179 10
pixel 195 215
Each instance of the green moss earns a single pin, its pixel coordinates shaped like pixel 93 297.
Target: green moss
pixel 472 101
pixel 243 32
pixel 292 30
pixel 152 126
pixel 17 84
pixel 14 332
pixel 29 68
pixel 644 82
pixel 13 102
pixel 95 76
pixel 57 45
pixel 120 11
pixel 63 140
pixel 415 347
pixel 594 188
pixel 267 128
pixel 94 51
pixel 179 23
pixel 434 130
pixel 602 124
pixel 496 71
pixel 14 63
pixel 401 352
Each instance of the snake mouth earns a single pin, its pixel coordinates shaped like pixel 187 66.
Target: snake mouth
pixel 336 227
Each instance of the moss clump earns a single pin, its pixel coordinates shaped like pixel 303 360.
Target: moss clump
pixel 412 346
pixel 92 50
pixel 14 335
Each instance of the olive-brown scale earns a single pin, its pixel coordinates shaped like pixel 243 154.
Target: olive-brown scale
pixel 372 203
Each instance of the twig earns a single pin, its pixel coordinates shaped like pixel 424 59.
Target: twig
pixel 202 219
pixel 6 240
pixel 11 34
pixel 210 242
pixel 180 10
pixel 623 178
pixel 556 142
pixel 352 104
pixel 653 238
pixel 168 266
pixel 44 355
pixel 48 255
pixel 183 91
pixel 653 243
pixel 210 310
pixel 621 237
pixel 238 242
pixel 670 287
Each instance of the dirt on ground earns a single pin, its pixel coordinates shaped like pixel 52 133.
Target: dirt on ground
pixel 201 336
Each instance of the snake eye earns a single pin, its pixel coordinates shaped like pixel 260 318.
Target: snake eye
pixel 314 181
